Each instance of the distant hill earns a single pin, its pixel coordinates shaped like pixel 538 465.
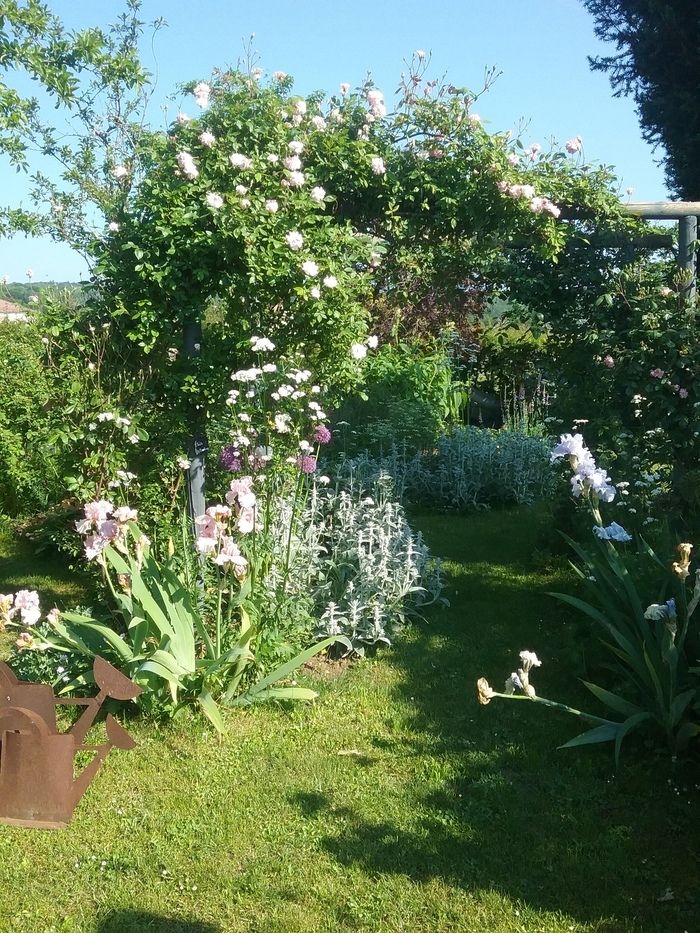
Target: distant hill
pixel 20 291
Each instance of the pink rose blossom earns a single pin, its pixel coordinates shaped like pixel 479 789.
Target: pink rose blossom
pixel 608 361
pixel 683 393
pixel 238 160
pixel 187 166
pixel 657 373
pixel 202 93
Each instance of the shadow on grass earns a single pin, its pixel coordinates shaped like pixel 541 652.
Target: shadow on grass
pixel 137 921
pixel 559 830
pixel 48 573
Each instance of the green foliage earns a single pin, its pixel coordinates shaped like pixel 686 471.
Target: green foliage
pixel 657 63
pixel 29 471
pixel 468 468
pixel 644 611
pixel 653 648
pixel 160 638
pixel 410 395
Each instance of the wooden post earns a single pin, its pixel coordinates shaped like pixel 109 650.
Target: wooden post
pixel 197 444
pixel 686 213
pixel 687 257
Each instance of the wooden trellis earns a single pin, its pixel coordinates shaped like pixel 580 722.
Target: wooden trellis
pixel 686 213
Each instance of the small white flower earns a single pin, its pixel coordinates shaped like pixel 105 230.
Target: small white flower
pixel 272 206
pixel 294 240
pixel 207 139
pixel 119 172
pixel 318 194
pixel 215 200
pixel 373 342
pixel 330 281
pixel 261 345
pixel 378 166
pixel 283 423
pixel 309 268
pixel 358 351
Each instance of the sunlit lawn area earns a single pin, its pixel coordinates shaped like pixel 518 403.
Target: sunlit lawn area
pixel 395 803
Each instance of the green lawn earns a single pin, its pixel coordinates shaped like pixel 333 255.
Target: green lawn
pixel 395 803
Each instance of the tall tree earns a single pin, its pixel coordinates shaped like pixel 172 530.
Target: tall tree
pixel 658 64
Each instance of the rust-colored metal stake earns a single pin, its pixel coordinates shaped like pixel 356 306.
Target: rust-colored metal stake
pixel 112 683
pixel 117 738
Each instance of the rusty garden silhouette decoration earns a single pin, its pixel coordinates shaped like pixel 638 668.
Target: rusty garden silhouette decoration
pixel 37 783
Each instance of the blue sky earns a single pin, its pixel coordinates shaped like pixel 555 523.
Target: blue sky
pixel 540 46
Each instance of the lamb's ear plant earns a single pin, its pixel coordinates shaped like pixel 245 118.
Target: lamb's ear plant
pixel 654 650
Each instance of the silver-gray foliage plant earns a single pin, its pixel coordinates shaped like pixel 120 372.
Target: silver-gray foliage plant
pixel 354 552
pixel 468 468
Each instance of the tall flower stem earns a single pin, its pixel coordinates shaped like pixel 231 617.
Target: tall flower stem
pixel 218 612
pixel 292 517
pixel 554 705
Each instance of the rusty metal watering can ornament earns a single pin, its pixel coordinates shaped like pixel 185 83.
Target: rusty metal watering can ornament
pixel 37 783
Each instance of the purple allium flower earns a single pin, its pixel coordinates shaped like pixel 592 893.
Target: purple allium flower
pixel 230 459
pixel 322 435
pixel 306 463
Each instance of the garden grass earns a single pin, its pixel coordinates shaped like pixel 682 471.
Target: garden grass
pixel 394 803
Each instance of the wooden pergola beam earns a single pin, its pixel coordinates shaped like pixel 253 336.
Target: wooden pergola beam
pixel 663 210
